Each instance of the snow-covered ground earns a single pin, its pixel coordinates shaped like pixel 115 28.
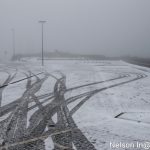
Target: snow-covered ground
pixel 115 114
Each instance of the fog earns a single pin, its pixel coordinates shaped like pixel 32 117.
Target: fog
pixel 110 27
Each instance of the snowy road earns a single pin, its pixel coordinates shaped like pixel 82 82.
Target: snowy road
pixel 73 105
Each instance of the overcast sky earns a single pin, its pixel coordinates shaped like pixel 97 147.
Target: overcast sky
pixel 87 26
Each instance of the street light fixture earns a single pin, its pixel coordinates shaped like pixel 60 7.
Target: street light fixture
pixel 42 23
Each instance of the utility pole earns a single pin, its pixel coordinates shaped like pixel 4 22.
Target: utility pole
pixel 42 23
pixel 13 43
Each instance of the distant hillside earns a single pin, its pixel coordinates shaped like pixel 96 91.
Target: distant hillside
pixel 138 61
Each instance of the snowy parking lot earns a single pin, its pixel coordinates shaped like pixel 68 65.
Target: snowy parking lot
pixel 73 104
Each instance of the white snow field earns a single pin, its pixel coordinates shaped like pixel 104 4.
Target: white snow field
pixel 118 112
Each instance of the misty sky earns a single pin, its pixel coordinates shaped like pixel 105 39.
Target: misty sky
pixel 79 26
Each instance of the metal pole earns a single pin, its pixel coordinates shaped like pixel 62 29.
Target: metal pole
pixel 42 23
pixel 42 48
pixel 13 42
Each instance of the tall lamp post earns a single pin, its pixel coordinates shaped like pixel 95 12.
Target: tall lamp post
pixel 13 42
pixel 42 23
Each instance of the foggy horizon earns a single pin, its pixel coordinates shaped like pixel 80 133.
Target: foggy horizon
pixel 105 27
